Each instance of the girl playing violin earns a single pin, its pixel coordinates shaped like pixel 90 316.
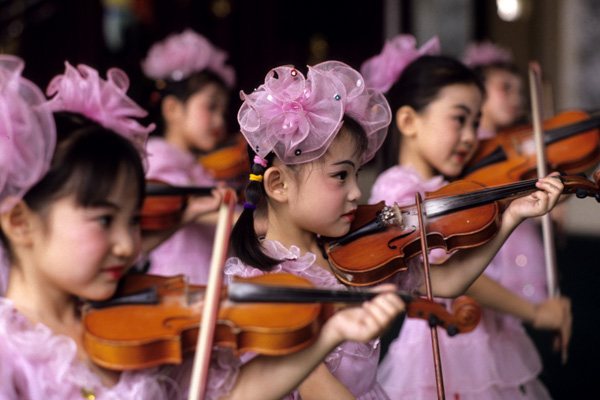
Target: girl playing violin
pixel 194 83
pixel 437 102
pixel 69 219
pixel 311 136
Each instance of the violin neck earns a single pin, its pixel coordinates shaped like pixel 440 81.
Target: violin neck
pixel 165 190
pixel 245 292
pixel 449 204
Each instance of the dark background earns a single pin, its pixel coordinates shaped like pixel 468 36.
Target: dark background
pixel 259 35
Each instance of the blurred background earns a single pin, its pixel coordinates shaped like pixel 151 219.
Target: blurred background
pixel 260 34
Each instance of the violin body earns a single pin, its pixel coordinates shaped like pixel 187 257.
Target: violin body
pixel 227 161
pixel 153 320
pixel 460 215
pixel 572 146
pixel 135 336
pixel 377 256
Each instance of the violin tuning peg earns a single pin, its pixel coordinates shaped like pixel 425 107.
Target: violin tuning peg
pixel 597 196
pixel 432 320
pixel 582 174
pixel 452 330
pixel 581 193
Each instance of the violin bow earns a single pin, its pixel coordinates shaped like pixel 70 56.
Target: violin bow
pixel 535 84
pixel 439 379
pixel 212 296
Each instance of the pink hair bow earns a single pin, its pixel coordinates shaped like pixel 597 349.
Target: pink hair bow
pixel 180 55
pixel 27 133
pixel 81 90
pixel 383 70
pixel 486 53
pixel 297 118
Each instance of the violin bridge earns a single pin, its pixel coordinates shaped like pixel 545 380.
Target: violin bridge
pixel 398 216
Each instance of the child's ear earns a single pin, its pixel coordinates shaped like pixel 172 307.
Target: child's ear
pixel 170 107
pixel 406 121
pixel 275 185
pixel 17 224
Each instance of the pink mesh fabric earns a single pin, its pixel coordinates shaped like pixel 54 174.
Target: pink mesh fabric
pixel 486 53
pixel 383 70
pixel 180 55
pixel 81 90
pixel 27 133
pixel 297 118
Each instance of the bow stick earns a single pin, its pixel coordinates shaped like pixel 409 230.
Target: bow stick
pixel 439 379
pixel 212 297
pixel 542 170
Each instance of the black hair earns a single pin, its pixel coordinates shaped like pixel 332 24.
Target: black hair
pixel 419 84
pixel 245 243
pixel 182 90
pixel 87 161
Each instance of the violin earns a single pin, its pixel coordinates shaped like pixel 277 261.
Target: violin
pixel 460 215
pixel 154 320
pixel 164 204
pixel 229 160
pixel 572 141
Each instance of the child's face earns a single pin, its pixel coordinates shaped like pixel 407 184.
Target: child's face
pixel 326 194
pixel 202 122
pixel 83 251
pixel 504 102
pixel 446 135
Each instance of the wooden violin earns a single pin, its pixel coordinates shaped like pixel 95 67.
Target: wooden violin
pixel 164 204
pixel 460 215
pixel 154 320
pixel 227 161
pixel 572 141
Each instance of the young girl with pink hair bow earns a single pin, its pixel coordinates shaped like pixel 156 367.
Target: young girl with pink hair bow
pixel 310 136
pixel 70 199
pixel 437 108
pixel 193 83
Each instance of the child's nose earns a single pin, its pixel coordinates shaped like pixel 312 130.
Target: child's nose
pixel 355 193
pixel 124 243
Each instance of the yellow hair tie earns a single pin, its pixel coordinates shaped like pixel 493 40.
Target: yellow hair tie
pixel 257 178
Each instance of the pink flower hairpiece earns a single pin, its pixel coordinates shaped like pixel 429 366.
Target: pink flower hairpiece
pixel 180 55
pixel 486 53
pixel 383 70
pixel 27 133
pixel 81 90
pixel 297 118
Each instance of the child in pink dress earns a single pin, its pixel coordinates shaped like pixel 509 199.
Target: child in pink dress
pixel 310 136
pixel 70 226
pixel 436 124
pixel 194 83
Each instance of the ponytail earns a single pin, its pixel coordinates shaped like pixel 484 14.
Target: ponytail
pixel 244 240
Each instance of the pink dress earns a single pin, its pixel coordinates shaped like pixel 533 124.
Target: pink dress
pixel 189 250
pixel 37 364
pixel 354 364
pixel 496 361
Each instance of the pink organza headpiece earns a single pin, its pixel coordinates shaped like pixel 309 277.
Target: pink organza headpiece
pixel 383 70
pixel 81 90
pixel 180 55
pixel 297 118
pixel 486 53
pixel 27 133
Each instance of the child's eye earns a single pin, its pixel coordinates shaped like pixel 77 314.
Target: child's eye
pixel 341 175
pixel 136 220
pixel 105 220
pixel 460 119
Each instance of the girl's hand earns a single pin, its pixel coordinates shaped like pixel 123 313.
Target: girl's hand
pixel 368 321
pixel 537 203
pixel 555 314
pixel 199 206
